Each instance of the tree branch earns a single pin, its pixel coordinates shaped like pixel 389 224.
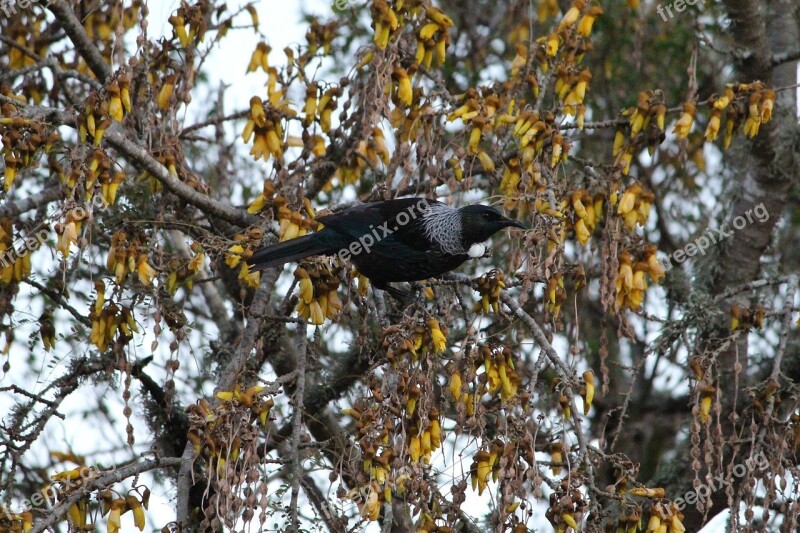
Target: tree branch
pixel 105 480
pixel 74 29
pixel 14 208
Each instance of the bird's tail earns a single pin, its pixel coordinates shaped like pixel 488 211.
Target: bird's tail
pixel 318 243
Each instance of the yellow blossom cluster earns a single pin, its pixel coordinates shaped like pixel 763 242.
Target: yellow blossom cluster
pixel 367 152
pixel 389 17
pixel 292 224
pixel 645 126
pixel 499 376
pixel 684 124
pixel 411 121
pixel 571 40
pixel 108 319
pixel 587 391
pixel 433 38
pixel 747 317
pixel 126 255
pixel 489 286
pixel 119 97
pixel 664 517
pixel 567 508
pixel 749 102
pixel 260 58
pixel 432 336
pixel 97 175
pixel 423 442
pixel 268 131
pixel 14 266
pixel 47 330
pixel 708 394
pixel 68 230
pixel 484 112
pixel 112 103
pixel 19 522
pixel 556 294
pixel 588 213
pixel 210 427
pixel 634 206
pixel 101 24
pixel 26 32
pixel 570 88
pixel 510 182
pixel 115 508
pixel 23 140
pixel 323 109
pixel 486 464
pixel 245 242
pixel 631 283
pixel 181 274
pixel 79 512
pixel 194 16
pixel 318 298
pixel 427 337
pixel 320 36
pixel 374 427
pixel 498 364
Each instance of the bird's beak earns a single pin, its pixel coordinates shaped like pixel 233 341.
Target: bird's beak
pixel 511 223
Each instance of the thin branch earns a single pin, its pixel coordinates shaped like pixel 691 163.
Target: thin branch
pixel 297 423
pixel 103 481
pixel 538 335
pixel 211 122
pixel 142 159
pixel 14 208
pixel 788 305
pixel 184 485
pixel 785 57
pixel 77 34
pixel 80 317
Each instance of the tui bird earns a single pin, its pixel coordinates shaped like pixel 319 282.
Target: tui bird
pixel 406 239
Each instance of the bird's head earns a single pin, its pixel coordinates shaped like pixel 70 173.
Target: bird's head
pixel 479 222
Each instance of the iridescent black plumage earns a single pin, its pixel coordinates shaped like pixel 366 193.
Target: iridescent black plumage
pixel 406 239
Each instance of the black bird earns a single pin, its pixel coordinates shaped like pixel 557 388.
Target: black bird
pixel 406 239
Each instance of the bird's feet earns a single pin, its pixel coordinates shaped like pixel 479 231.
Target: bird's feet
pixel 403 297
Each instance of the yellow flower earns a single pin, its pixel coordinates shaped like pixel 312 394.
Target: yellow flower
pixel 437 337
pixel 581 232
pixel 551 48
pixel 684 124
pixel 145 271
pixel 234 255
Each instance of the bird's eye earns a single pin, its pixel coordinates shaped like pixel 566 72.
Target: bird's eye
pixel 487 216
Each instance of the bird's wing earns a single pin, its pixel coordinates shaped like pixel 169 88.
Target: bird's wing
pixel 397 221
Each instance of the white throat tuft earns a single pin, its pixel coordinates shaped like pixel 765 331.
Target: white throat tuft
pixel 476 250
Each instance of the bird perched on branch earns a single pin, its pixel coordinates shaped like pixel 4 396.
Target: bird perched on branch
pixel 406 239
